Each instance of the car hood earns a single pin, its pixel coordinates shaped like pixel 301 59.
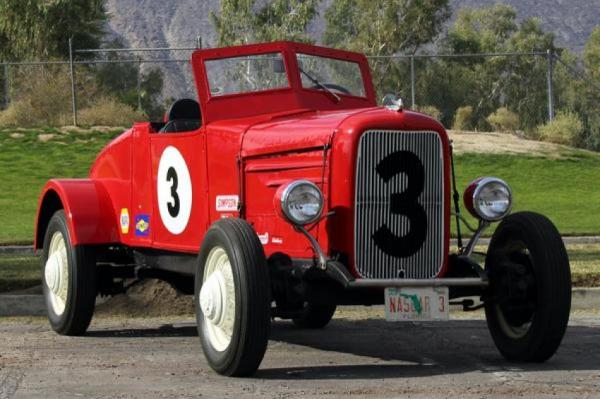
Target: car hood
pixel 301 131
pixel 305 130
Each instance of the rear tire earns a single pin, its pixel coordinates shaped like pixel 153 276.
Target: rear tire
pixel 530 288
pixel 232 298
pixel 68 279
pixel 315 316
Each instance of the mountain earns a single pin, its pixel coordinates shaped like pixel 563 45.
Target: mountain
pixel 571 21
pixel 177 23
pixel 159 23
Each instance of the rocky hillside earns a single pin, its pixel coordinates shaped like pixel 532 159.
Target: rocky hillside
pixel 177 23
pixel 158 23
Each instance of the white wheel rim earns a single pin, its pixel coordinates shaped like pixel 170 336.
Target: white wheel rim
pixel 514 332
pixel 217 299
pixel 56 273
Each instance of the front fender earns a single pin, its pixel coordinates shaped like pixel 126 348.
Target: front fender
pixel 91 218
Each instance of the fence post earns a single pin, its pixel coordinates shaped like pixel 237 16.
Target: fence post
pixel 6 87
pixel 412 81
pixel 73 93
pixel 139 86
pixel 199 42
pixel 550 58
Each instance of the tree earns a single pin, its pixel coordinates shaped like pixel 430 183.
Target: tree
pixel 41 29
pixel 591 55
pixel 242 22
pixel 489 83
pixel 120 80
pixel 383 28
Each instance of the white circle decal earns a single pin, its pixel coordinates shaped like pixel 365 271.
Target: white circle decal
pixel 174 188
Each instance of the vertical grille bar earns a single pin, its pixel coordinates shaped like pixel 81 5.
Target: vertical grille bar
pixel 373 205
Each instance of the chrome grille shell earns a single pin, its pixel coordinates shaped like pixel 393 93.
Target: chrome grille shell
pixel 373 205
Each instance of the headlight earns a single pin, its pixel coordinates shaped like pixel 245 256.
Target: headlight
pixel 488 198
pixel 301 202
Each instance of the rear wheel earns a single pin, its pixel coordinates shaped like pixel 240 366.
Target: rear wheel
pixel 529 301
pixel 315 316
pixel 68 279
pixel 232 298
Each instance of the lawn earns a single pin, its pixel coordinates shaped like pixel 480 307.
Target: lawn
pixel 566 190
pixel 563 186
pixel 19 272
pixel 26 162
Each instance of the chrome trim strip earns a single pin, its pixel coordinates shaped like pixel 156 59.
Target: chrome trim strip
pixel 433 282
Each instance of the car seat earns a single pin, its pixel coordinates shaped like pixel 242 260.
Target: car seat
pixel 183 116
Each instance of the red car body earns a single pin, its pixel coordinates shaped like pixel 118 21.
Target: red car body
pixel 288 199
pixel 249 145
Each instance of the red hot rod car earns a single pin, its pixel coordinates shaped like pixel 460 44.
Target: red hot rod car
pixel 285 191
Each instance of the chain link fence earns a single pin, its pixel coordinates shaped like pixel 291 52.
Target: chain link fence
pixel 466 91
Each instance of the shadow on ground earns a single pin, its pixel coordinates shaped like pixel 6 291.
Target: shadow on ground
pixel 379 349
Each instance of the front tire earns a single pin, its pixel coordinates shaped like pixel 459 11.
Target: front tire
pixel 315 316
pixel 529 301
pixel 68 279
pixel 232 298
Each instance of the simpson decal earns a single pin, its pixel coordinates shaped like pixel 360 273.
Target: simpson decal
pixel 227 203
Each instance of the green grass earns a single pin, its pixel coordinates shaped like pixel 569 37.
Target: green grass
pixel 585 264
pixel 19 272
pixel 564 189
pixel 26 163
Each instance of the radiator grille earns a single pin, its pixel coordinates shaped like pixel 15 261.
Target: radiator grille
pixel 399 208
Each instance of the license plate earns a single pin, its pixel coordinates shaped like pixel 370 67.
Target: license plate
pixel 416 304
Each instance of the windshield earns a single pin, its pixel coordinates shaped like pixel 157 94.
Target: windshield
pixel 339 76
pixel 246 74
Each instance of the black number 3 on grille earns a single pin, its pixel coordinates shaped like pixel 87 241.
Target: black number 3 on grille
pixel 405 203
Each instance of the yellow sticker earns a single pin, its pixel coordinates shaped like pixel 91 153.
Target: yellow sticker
pixel 124 220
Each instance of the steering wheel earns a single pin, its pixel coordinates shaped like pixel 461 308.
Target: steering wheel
pixel 333 86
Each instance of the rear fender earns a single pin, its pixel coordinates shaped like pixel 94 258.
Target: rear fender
pixel 91 218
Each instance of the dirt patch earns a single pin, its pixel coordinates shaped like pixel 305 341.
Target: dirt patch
pixel 586 280
pixel 504 143
pixel 149 298
pixel 45 137
pixel 88 130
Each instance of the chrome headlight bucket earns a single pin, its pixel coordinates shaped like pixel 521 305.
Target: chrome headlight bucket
pixel 488 198
pixel 300 202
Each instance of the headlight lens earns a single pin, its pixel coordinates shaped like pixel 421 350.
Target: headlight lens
pixel 488 198
pixel 302 202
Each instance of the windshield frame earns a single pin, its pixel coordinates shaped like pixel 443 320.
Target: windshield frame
pixel 298 54
pixel 281 53
pixel 279 100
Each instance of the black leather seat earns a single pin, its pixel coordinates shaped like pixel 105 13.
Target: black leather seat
pixel 183 116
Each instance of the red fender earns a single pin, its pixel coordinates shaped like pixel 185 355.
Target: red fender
pixel 90 215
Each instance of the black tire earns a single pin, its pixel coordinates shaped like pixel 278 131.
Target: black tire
pixel 315 316
pixel 81 289
pixel 529 300
pixel 252 322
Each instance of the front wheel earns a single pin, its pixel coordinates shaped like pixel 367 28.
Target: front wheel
pixel 529 300
pixel 314 316
pixel 232 298
pixel 68 279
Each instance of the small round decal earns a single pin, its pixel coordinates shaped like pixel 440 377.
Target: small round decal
pixel 174 188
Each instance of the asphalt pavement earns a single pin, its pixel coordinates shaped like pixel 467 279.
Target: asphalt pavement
pixel 358 355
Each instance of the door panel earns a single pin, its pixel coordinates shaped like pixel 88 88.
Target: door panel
pixel 179 190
